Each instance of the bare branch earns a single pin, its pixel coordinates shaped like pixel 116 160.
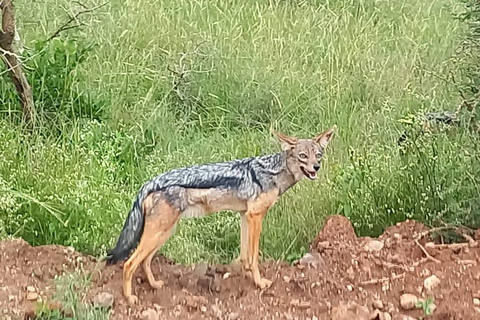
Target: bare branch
pixel 67 26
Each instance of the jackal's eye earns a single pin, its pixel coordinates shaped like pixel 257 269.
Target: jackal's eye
pixel 318 155
pixel 302 156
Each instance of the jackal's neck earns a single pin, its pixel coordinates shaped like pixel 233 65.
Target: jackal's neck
pixel 284 178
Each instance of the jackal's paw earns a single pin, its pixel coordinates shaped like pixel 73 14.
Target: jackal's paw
pixel 264 283
pixel 157 284
pixel 132 300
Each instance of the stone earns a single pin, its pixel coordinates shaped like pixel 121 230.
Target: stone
pixel 294 302
pixel 32 296
pixel 149 314
pixel 104 300
pixel 313 260
pixel 190 302
pixel 233 316
pixel 431 283
pixel 38 273
pixel 408 301
pixel 402 317
pixel 377 304
pixel 476 301
pixel 374 246
pixel 304 305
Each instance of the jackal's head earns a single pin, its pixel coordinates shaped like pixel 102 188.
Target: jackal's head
pixel 305 155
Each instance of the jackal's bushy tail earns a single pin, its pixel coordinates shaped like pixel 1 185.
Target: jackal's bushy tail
pixel 130 235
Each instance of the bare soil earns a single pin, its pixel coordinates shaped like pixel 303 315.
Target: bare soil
pixel 343 277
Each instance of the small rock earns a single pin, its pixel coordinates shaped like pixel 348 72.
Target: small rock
pixel 402 317
pixel 286 279
pixel 294 302
pixel 190 302
pixel 476 275
pixel 408 301
pixel 304 305
pixel 201 300
pixel 226 275
pixel 312 260
pixel 374 246
pixel 31 289
pixel 32 296
pixel 38 273
pixel 203 309
pixel 476 301
pixel 377 304
pixel 349 287
pixel 387 316
pixel 103 300
pixel 233 316
pixel 216 311
pixel 429 245
pixel 321 246
pixel 431 282
pixel 149 314
pixel 425 273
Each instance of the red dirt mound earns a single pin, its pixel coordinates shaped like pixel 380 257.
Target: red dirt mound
pixel 343 277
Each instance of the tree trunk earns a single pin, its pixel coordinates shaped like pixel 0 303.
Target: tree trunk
pixel 13 63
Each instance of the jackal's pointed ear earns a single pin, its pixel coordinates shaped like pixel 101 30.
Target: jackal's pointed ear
pixel 287 141
pixel 324 138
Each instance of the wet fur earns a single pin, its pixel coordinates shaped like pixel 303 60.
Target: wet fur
pixel 250 186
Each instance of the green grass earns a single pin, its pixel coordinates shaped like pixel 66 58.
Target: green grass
pixel 71 292
pixel 113 114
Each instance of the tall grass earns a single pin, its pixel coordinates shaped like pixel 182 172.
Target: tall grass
pixel 147 86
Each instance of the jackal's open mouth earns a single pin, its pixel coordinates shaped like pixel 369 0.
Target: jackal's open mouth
pixel 312 175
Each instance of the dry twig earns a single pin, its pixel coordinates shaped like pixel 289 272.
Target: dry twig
pixel 381 280
pixel 426 253
pixel 67 26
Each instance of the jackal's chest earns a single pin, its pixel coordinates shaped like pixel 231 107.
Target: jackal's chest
pixel 201 202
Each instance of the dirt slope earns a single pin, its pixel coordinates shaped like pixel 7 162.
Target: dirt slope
pixel 343 277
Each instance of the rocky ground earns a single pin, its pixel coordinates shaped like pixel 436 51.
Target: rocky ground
pixel 343 277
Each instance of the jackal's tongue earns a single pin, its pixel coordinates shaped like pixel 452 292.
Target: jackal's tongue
pixel 310 174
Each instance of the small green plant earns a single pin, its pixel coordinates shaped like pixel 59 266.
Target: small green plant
pixel 425 305
pixel 70 292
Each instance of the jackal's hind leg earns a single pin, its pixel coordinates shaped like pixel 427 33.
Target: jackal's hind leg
pixel 146 265
pixel 159 225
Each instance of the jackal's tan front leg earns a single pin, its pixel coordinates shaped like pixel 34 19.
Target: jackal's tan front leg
pixel 242 258
pixel 254 221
